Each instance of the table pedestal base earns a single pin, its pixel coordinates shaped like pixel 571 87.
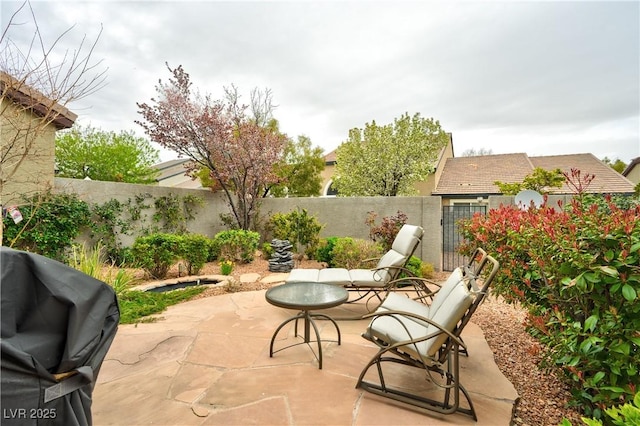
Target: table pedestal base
pixel 308 322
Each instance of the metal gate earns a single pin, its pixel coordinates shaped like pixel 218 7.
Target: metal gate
pixel 451 238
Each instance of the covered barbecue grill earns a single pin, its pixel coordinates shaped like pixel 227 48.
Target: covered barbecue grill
pixel 57 325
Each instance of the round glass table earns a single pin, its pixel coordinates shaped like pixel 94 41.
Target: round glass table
pixel 306 297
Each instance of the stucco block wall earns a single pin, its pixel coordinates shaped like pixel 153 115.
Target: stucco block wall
pixel 345 216
pixel 341 216
pixel 207 220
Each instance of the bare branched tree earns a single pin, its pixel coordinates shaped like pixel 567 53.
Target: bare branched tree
pixel 38 80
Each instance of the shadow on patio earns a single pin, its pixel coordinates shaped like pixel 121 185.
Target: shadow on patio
pixel 207 362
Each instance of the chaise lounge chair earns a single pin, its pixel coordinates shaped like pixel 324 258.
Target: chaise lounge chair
pixel 378 280
pixel 411 333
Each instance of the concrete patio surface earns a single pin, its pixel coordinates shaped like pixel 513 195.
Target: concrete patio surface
pixel 206 362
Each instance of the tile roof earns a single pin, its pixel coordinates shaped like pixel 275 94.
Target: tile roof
pixel 468 176
pixel 330 158
pixel 476 175
pixel 28 97
pixel 606 179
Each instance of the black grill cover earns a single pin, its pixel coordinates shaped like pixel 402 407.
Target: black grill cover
pixel 57 325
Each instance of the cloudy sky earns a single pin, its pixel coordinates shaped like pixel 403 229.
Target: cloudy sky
pixel 543 78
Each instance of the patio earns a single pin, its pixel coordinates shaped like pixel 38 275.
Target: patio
pixel 207 362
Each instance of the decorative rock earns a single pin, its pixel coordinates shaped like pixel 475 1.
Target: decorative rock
pixel 282 258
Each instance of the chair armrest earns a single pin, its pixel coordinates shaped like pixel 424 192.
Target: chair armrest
pixel 370 260
pixel 411 341
pixel 421 286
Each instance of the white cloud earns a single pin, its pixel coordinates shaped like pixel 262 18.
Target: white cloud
pixel 543 77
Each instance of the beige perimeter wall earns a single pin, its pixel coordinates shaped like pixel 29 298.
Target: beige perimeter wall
pixel 340 216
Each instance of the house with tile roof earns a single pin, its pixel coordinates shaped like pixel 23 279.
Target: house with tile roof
pixel 471 180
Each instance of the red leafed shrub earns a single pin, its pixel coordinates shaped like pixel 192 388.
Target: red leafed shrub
pixel 576 268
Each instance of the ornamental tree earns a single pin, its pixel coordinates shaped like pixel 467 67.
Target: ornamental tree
pixel 238 149
pixel 388 160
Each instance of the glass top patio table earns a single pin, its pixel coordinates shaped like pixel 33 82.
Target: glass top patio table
pixel 306 297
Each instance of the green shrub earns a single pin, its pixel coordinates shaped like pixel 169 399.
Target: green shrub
pixel 576 270
pixel 237 245
pixel 350 253
pixel 427 270
pixel 414 265
pixel 226 267
pixel 195 252
pixel 324 251
pixel 156 253
pixel 50 225
pixel 267 250
pixel 297 226
pixel 619 415
pixel 91 262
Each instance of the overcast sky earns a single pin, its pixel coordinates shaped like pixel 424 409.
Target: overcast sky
pixel 543 78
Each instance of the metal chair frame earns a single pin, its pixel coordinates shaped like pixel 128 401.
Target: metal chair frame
pixel 445 362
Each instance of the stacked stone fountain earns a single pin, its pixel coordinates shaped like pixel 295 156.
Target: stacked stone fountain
pixel 282 258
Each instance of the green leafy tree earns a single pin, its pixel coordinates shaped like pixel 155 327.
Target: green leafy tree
pixel 107 156
pixel 540 180
pixel 618 165
pixel 388 160
pixel 299 170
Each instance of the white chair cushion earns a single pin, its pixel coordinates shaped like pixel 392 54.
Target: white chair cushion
pixel 454 279
pixel 448 316
pixel 406 239
pixel 397 328
pixel 386 264
pixel 303 275
pixel 336 276
pixel 396 302
pixel 368 278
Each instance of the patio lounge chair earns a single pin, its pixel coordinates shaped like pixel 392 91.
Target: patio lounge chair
pixel 411 333
pixel 379 279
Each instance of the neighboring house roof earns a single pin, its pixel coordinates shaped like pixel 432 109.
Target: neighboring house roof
pixel 475 176
pixel 172 173
pixel 30 98
pixel 606 179
pixel 330 158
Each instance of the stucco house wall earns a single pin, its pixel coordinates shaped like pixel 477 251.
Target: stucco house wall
pixel 28 124
pixel 632 172
pixel 23 174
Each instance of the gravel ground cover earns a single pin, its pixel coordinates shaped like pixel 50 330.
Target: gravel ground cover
pixel 543 396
